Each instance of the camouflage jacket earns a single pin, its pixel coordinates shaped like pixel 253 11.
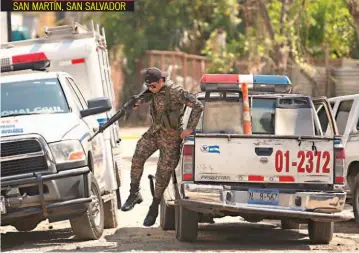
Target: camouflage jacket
pixel 179 97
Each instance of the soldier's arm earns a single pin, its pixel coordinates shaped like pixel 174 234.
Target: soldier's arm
pixel 190 100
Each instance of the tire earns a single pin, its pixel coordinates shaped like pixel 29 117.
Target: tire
pixel 87 226
pixel 167 216
pixel 289 224
pixel 186 224
pixel 356 199
pixel 320 232
pixel 26 225
pixel 110 212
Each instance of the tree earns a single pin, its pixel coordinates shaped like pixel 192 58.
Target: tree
pixel 353 7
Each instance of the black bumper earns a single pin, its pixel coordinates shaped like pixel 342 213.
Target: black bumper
pixel 45 209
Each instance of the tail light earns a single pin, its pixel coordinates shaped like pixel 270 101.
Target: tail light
pixel 339 164
pixel 187 163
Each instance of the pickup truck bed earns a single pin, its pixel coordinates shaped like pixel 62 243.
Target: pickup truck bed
pixel 286 169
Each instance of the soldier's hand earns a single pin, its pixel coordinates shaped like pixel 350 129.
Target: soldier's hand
pixel 186 133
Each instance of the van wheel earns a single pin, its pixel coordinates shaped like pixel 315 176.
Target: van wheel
pixel 26 225
pixel 320 232
pixel 186 224
pixel 289 224
pixel 167 216
pixel 356 199
pixel 110 212
pixel 90 225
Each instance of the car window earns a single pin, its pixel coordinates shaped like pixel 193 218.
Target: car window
pixel 74 95
pixel 33 96
pixel 263 110
pixel 78 93
pixel 323 118
pixel 343 114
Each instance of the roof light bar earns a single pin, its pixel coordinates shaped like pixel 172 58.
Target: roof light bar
pixel 34 61
pixel 256 83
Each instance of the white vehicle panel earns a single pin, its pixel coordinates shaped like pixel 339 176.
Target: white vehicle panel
pixel 290 161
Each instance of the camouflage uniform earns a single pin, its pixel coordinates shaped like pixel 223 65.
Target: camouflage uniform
pixel 167 108
pixel 168 141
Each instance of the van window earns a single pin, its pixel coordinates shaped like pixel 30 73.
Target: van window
pixel 343 114
pixel 263 110
pixel 32 97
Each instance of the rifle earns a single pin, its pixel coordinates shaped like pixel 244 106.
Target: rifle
pixel 129 104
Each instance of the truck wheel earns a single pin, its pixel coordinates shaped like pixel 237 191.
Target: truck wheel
pixel 26 225
pixel 289 224
pixel 356 199
pixel 90 225
pixel 167 216
pixel 110 212
pixel 320 232
pixel 186 225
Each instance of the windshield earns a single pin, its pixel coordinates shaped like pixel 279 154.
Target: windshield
pixel 32 97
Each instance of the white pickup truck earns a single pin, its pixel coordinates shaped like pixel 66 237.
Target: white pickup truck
pixel 286 169
pixel 346 113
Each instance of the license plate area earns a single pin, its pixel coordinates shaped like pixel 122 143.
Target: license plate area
pixel 2 205
pixel 263 196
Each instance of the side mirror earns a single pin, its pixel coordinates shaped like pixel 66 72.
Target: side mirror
pixel 96 106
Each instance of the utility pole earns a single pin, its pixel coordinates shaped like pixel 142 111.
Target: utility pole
pixel 9 30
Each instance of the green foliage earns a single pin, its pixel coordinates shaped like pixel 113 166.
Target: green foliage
pixel 190 27
pixel 326 21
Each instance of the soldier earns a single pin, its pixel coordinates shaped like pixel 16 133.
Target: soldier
pixel 165 133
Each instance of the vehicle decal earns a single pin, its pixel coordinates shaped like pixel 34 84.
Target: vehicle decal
pixel 210 149
pixel 102 121
pixel 84 136
pixel 10 127
pixel 34 110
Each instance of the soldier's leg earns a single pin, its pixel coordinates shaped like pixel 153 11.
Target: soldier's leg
pixel 145 147
pixel 169 158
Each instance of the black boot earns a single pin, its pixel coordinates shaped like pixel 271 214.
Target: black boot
pixel 152 213
pixel 134 198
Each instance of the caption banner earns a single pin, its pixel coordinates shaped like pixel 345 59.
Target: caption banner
pixel 66 5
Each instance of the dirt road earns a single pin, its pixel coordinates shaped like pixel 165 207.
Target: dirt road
pixel 228 234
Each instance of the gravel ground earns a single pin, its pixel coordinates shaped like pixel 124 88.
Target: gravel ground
pixel 226 235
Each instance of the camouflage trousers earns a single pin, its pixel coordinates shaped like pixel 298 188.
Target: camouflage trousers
pixel 168 142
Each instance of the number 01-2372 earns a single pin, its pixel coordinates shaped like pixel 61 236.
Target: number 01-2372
pixel 313 161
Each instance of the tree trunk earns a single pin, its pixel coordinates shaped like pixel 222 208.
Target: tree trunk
pixel 353 7
pixel 281 51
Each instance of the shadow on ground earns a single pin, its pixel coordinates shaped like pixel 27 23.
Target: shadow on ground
pixel 36 239
pixel 346 227
pixel 216 237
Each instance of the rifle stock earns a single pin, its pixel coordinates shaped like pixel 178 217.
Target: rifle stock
pixel 129 104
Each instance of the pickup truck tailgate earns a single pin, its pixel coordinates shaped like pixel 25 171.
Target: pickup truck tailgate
pixel 282 160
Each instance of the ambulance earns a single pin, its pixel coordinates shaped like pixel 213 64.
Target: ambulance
pixel 55 94
pixel 78 51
